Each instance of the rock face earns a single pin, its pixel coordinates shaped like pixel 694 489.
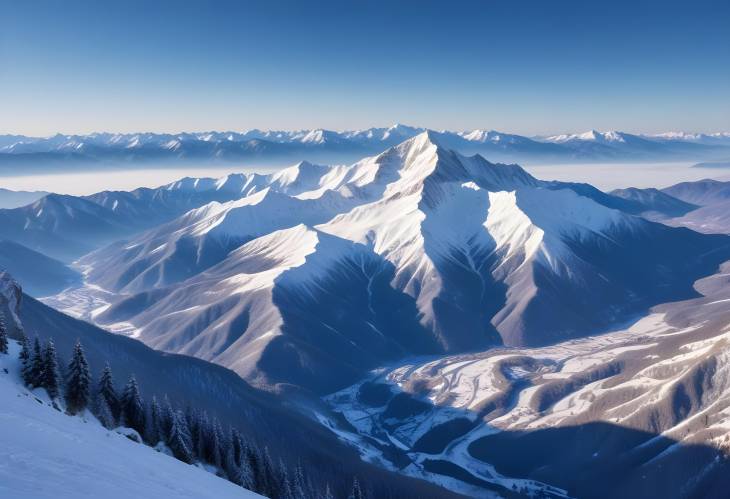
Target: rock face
pixel 316 274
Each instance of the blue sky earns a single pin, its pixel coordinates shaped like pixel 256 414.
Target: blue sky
pixel 529 67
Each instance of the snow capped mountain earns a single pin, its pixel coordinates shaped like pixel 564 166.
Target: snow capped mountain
pixel 717 138
pixel 591 135
pixel 613 145
pixel 416 250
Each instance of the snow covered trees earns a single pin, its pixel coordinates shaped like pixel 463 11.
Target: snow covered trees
pixel 25 359
pixel 3 334
pixel 356 492
pixel 78 381
pixel 36 368
pixel 51 378
pixel 152 432
pixel 107 402
pixel 237 466
pixel 40 368
pixel 105 391
pixel 179 439
pixel 132 407
pixel 192 436
pixel 104 413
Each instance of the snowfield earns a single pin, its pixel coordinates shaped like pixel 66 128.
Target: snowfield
pixel 47 454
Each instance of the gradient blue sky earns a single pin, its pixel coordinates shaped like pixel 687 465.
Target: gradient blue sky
pixel 529 67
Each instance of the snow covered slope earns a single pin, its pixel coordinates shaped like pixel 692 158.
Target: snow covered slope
pixel 418 250
pixel 46 454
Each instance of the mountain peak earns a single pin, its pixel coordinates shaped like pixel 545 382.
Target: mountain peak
pixel 426 138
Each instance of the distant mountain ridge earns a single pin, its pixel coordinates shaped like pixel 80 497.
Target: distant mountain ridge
pixel 275 146
pixel 15 199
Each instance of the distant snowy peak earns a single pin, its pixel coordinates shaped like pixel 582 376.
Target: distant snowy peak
pixel 717 138
pixel 591 135
pixel 491 136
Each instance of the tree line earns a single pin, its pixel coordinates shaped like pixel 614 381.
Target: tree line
pixel 190 434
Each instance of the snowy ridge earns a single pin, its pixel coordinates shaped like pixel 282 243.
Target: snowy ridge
pixel 591 135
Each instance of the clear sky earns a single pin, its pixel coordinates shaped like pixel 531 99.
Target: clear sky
pixel 529 67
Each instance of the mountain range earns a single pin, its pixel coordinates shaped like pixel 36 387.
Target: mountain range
pixel 109 150
pixel 418 250
pixel 422 309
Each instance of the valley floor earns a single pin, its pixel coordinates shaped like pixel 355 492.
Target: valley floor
pixel 660 384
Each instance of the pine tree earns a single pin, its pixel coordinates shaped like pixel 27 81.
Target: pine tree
pixel 202 437
pixel 238 471
pixel 218 445
pixel 25 359
pixel 356 492
pixel 132 407
pixel 152 432
pixel 300 484
pixel 78 381
pixel 3 334
pixel 179 438
pixel 51 377
pixel 193 418
pixel 236 445
pixel 285 490
pixel 104 413
pixel 166 415
pixel 190 416
pixel 36 369
pixel 105 390
pixel 328 493
pixel 268 470
pixel 263 469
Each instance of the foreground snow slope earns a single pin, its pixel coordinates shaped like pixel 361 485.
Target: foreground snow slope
pixel 45 453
